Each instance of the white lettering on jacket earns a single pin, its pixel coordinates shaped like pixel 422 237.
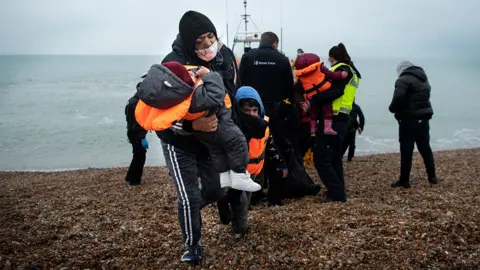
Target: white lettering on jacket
pixel 264 63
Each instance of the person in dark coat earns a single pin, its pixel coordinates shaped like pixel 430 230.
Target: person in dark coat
pixel 137 137
pixel 413 111
pixel 353 127
pixel 187 158
pixel 269 72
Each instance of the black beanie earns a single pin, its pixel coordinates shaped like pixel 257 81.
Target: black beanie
pixel 192 25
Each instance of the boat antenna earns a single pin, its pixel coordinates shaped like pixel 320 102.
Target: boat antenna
pixel 246 37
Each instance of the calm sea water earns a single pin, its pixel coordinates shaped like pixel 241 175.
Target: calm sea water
pixel 64 112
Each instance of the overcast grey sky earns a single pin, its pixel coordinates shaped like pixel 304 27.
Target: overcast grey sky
pixel 384 28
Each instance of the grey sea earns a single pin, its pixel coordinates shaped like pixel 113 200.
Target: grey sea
pixel 67 112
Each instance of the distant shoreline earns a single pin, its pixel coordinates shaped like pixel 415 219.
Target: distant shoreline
pixel 164 166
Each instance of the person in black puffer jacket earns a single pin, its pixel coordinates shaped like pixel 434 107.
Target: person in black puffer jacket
pixel 413 111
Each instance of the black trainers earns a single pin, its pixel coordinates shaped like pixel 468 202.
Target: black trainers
pixel 400 183
pixel 433 181
pixel 194 255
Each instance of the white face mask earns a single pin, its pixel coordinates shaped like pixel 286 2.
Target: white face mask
pixel 209 53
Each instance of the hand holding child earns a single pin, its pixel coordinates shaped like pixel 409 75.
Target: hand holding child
pixel 344 74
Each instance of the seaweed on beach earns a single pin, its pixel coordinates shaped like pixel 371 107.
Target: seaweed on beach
pixel 92 219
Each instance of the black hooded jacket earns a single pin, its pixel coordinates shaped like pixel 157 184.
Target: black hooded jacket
pixel 411 99
pixel 135 132
pixel 224 64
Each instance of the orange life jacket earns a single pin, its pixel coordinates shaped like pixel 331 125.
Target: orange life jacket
pixel 256 153
pixel 151 118
pixel 313 80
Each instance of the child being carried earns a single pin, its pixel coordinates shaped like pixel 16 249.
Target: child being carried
pixel 171 84
pixel 314 77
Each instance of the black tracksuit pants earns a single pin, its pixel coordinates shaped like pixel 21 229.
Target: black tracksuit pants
pixel 185 168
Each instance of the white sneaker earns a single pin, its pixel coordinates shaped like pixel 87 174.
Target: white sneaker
pixel 242 181
pixel 225 180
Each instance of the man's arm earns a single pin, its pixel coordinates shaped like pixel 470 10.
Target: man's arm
pixel 361 116
pixel 332 75
pixel 399 95
pixel 243 71
pixel 288 82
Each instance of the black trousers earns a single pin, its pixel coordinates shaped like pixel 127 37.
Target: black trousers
pixel 349 143
pixel 305 139
pixel 135 171
pixel 327 157
pixel 413 132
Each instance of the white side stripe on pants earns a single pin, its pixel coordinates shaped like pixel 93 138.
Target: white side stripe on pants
pixel 187 216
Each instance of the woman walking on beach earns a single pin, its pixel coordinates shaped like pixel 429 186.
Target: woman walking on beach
pixel 413 111
pixel 186 157
pixel 328 148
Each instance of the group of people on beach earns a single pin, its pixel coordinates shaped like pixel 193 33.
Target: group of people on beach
pixel 244 129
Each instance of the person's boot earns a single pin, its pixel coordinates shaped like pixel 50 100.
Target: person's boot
pixel 327 127
pixel 401 183
pixel 242 181
pixel 193 255
pixel 225 180
pixel 433 180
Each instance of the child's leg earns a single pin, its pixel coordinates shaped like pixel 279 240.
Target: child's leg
pixel 313 118
pixel 327 120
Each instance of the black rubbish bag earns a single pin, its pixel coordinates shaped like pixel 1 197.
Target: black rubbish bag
pixel 298 183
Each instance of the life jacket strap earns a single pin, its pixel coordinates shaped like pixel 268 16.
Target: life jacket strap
pixel 258 159
pixel 316 87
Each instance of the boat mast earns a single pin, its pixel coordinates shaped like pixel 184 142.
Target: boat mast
pixel 245 20
pixel 281 24
pixel 226 21
pixel 246 37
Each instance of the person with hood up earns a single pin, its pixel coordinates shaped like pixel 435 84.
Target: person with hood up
pixel 413 111
pixel 314 77
pixel 266 162
pixel 197 44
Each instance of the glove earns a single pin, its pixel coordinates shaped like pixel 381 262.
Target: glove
pixel 145 143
